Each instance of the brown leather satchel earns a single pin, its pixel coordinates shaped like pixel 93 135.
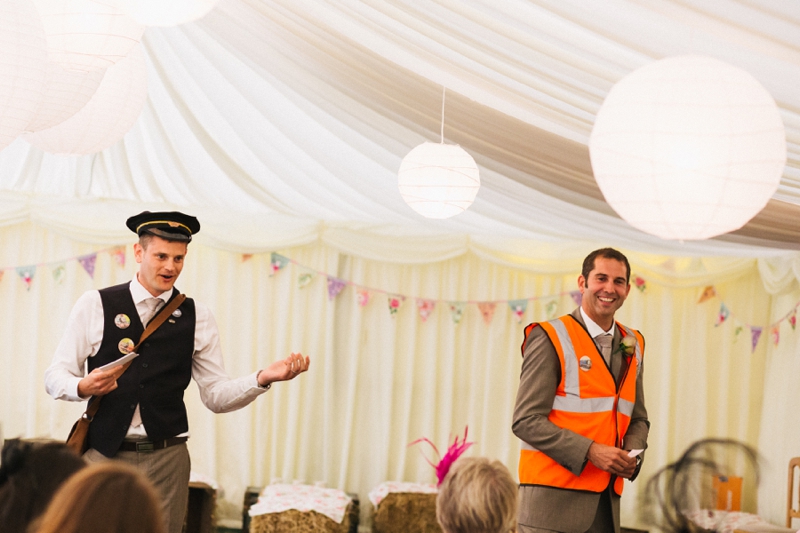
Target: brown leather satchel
pixel 78 438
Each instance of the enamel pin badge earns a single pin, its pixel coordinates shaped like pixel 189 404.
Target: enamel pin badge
pixel 122 321
pixel 585 363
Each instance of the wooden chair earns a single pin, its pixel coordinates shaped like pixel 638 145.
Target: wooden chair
pixel 794 462
pixel 728 490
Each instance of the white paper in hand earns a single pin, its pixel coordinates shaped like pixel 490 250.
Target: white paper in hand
pixel 634 453
pixel 121 361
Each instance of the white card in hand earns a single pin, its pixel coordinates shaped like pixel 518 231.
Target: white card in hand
pixel 634 453
pixel 121 361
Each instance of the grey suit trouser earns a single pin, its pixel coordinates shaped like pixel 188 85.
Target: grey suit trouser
pixel 603 518
pixel 168 470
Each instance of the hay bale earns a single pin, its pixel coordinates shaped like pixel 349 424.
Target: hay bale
pixel 406 512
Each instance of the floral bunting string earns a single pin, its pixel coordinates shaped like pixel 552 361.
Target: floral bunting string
pixel 551 309
pixel 425 308
pixel 59 274
pixel 577 297
pixel 335 286
pixel 640 283
pixel 119 255
pixel 775 333
pixel 755 334
pixel 278 262
pixel 394 304
pixel 88 262
pixel 487 311
pixel 363 298
pixel 303 280
pixel 518 307
pixel 246 257
pixel 26 274
pixel 723 314
pixel 456 311
pixel 793 319
pixel 708 293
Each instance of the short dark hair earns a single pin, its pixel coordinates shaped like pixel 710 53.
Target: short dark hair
pixel 145 238
pixel 607 253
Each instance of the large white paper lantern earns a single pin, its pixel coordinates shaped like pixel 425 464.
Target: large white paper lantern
pixel 23 61
pixel 65 93
pixel 88 34
pixel 438 180
pixel 167 13
pixel 110 113
pixel 688 147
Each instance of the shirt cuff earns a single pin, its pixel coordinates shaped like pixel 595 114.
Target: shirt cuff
pixel 257 385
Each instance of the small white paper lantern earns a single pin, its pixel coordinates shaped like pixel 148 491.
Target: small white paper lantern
pixel 110 113
pixel 167 13
pixel 23 61
pixel 688 148
pixel 65 93
pixel 438 180
pixel 88 34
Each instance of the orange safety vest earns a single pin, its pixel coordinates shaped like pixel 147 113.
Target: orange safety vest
pixel 587 402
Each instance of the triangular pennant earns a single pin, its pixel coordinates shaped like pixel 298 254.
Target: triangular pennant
pixel 518 307
pixel 487 311
pixel 736 333
pixel 577 297
pixel 723 314
pixel 551 309
pixel 246 257
pixel 87 262
pixel 335 286
pixel 26 274
pixel 119 255
pixel 755 333
pixel 456 311
pixel 394 304
pixel 304 279
pixel 708 293
pixel 59 273
pixel 277 262
pixel 793 319
pixel 425 308
pixel 363 297
pixel 775 332
pixel 640 283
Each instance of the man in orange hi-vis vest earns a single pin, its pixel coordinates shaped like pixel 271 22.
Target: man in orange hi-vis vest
pixel 580 412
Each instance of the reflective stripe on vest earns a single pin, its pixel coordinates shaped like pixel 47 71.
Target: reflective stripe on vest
pixel 601 412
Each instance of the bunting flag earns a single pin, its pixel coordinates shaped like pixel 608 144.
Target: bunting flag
pixel 246 257
pixel 640 283
pixel 26 274
pixel 59 273
pixel 425 308
pixel 775 332
pixel 736 333
pixel 518 307
pixel 708 293
pixel 304 279
pixel 363 298
pixel 723 314
pixel 550 309
pixel 456 311
pixel 87 262
pixel 1 274
pixel 119 255
pixel 793 319
pixel 577 297
pixel 755 333
pixel 278 262
pixel 487 311
pixel 335 286
pixel 394 304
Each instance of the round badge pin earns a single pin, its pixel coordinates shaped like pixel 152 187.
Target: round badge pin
pixel 177 313
pixel 585 363
pixel 126 346
pixel 122 321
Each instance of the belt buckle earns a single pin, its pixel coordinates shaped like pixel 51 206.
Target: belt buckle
pixel 145 447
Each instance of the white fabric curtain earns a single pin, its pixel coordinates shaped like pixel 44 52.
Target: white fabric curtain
pixel 378 382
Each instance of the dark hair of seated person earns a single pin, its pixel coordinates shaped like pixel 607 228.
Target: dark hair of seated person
pixel 30 473
pixel 684 487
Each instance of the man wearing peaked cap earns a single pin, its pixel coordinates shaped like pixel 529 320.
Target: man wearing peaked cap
pixel 142 417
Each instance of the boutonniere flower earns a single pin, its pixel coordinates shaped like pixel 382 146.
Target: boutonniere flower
pixel 628 345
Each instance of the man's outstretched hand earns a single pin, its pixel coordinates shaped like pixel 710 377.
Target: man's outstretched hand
pixel 284 369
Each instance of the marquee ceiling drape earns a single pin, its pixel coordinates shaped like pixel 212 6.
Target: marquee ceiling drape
pixel 283 122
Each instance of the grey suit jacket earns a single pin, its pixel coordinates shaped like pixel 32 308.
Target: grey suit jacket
pixel 568 511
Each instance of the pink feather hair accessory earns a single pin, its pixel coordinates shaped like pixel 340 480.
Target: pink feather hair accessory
pixel 454 451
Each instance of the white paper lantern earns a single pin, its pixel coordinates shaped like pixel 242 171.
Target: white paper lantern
pixel 65 93
pixel 688 147
pixel 438 180
pixel 23 60
pixel 167 13
pixel 87 34
pixel 110 113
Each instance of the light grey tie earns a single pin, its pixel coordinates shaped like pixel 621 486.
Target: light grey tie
pixel 153 304
pixel 604 342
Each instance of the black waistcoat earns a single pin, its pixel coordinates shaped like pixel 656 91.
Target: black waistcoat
pixel 155 380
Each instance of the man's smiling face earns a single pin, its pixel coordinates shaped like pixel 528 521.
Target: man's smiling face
pixel 160 264
pixel 604 290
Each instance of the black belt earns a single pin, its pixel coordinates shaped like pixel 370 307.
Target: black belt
pixel 144 446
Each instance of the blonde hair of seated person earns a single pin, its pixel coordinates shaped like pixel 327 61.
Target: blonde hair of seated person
pixel 478 495
pixel 110 496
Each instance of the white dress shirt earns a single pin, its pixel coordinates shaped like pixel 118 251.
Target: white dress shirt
pixel 84 334
pixel 595 330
